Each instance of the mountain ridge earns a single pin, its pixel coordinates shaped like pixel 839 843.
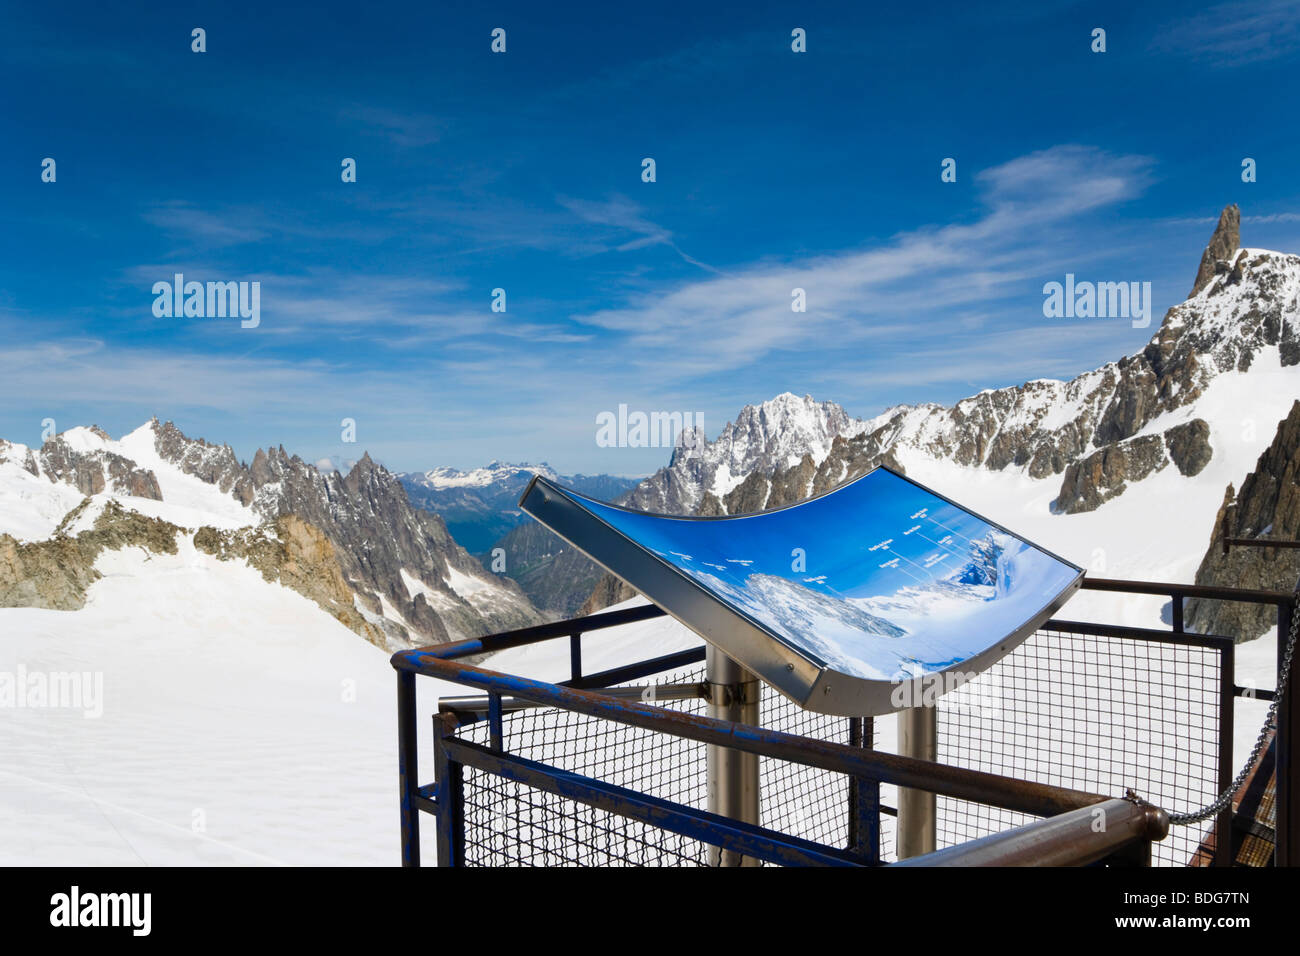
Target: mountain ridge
pixel 1095 434
pixel 410 582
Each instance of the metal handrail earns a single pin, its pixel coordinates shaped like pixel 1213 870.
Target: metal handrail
pixel 1007 793
pixel 1055 803
pixel 1068 839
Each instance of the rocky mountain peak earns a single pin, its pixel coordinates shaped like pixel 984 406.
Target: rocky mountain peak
pixel 399 560
pixel 1267 506
pixel 83 458
pixel 1223 246
pixel 763 438
pixel 1093 433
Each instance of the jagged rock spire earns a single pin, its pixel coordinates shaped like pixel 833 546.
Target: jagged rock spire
pixel 1223 246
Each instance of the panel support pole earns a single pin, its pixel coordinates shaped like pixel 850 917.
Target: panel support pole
pixel 733 694
pixel 918 736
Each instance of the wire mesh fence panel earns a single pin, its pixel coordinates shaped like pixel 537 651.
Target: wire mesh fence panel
pixel 510 824
pixel 804 801
pixel 1101 714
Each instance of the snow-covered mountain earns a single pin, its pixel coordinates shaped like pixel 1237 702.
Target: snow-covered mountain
pixel 1154 437
pixel 352 543
pixel 494 473
pixel 183 767
pixel 762 439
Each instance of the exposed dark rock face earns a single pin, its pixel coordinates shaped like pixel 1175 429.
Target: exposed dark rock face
pixel 1105 474
pixel 608 591
pixel 556 576
pixel 56 573
pixel 1218 255
pixel 215 464
pixel 94 471
pixel 763 439
pixel 1189 446
pixel 409 581
pixel 1268 506
pixel 376 535
pixel 291 552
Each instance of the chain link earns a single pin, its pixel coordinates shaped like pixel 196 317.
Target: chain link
pixel 1270 725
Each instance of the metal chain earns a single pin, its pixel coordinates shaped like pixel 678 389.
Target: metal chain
pixel 1270 725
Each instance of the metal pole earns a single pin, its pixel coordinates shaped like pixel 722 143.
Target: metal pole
pixel 1223 851
pixel 733 694
pixel 864 798
pixel 1070 839
pixel 918 736
pixel 450 777
pixel 408 768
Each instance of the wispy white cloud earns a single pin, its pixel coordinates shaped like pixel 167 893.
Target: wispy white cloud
pixel 927 307
pixel 178 218
pixel 713 325
pixel 1235 34
pixel 395 312
pixel 627 217
pixel 1265 219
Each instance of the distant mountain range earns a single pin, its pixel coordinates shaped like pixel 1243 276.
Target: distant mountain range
pixel 482 505
pixel 1167 426
pixel 1127 470
pixel 353 543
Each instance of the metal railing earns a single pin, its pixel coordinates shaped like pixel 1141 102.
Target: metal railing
pixel 588 771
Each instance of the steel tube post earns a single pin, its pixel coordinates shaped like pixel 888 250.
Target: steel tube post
pixel 407 768
pixel 450 777
pixel 864 798
pixel 1227 704
pixel 733 694
pixel 918 737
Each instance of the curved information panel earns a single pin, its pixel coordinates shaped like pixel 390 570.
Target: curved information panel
pixel 838 601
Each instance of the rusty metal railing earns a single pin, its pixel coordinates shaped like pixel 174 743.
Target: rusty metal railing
pixel 1059 839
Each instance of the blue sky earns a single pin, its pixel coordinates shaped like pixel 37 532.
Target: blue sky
pixel 523 171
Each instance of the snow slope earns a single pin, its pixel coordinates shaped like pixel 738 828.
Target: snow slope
pixel 226 700
pixel 31 506
pixel 1159 528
